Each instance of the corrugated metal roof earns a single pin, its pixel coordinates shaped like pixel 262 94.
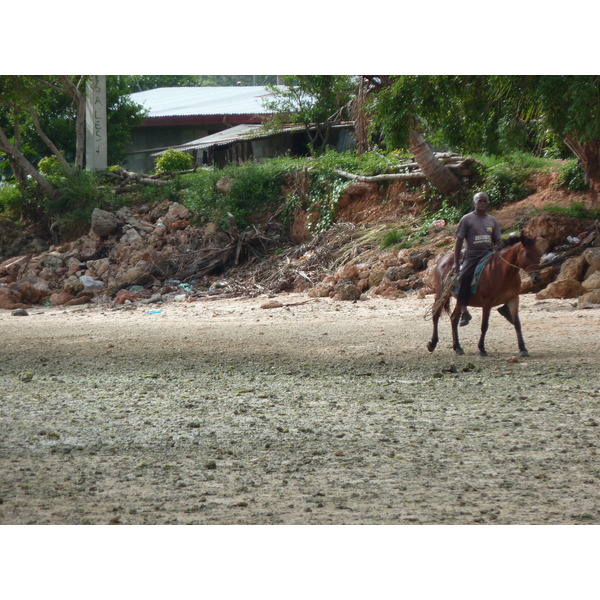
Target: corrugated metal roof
pixel 238 133
pixel 187 101
pixel 233 134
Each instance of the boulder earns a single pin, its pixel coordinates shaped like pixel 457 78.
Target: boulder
pixel 592 297
pixel 376 277
pixel 88 247
pixel 125 296
pixel 60 298
pixel 140 274
pixel 176 212
pixel 72 285
pixel 572 268
pixel 132 238
pixel 592 257
pixel 346 290
pixel 30 293
pixel 321 290
pixel 10 299
pixel 567 288
pixel 592 282
pixel 547 275
pixel 99 267
pixel 347 271
pixel 52 261
pixel 104 223
pixel 398 273
pixel 13 266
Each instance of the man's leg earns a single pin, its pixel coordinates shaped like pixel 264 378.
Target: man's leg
pixel 464 292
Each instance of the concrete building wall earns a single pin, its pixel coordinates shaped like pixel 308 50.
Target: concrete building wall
pixel 145 139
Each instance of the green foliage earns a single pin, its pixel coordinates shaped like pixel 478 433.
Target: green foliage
pixel 310 100
pixel 322 199
pixel 576 209
pixel 572 177
pixel 78 195
pixel 50 167
pixel 369 163
pixel 254 186
pixel 505 177
pixel 505 184
pixel 392 237
pixel 173 161
pixel 10 200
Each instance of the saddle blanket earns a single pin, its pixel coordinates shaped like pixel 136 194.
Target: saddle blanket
pixel 477 274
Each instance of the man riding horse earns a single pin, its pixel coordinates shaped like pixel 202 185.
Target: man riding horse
pixel 481 232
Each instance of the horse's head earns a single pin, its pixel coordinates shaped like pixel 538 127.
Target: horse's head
pixel 530 254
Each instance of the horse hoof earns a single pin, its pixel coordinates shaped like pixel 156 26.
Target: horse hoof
pixel 523 353
pixel 459 351
pixel 431 346
pixel 483 353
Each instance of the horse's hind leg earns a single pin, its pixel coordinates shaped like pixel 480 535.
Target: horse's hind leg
pixel 434 337
pixel 485 321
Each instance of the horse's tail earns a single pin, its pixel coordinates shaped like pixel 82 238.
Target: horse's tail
pixel 445 280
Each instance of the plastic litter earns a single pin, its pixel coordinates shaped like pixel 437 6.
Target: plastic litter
pixel 153 312
pixel 90 284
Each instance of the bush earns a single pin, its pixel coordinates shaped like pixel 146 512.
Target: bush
pixel 572 177
pixel 255 186
pixel 11 200
pixel 172 161
pixel 576 209
pixel 50 167
pixel 391 238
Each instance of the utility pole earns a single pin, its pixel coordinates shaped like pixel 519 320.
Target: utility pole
pixel 96 130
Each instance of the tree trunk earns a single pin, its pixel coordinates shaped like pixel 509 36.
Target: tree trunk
pixel 79 99
pixel 36 123
pixel 25 165
pixel 588 154
pixel 441 178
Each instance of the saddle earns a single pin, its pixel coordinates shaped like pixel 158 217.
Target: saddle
pixel 477 273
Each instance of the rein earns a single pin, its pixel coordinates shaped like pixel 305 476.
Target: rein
pixel 528 269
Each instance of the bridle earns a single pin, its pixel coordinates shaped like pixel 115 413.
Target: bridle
pixel 535 268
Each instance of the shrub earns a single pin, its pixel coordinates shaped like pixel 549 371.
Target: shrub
pixel 572 177
pixel 173 160
pixel 576 209
pixel 391 238
pixel 11 200
pixel 50 167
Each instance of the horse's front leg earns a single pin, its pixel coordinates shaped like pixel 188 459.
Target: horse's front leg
pixel 454 318
pixel 514 309
pixel 485 321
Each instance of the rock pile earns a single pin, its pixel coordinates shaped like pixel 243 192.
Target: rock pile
pixel 391 275
pixel 156 254
pixel 125 256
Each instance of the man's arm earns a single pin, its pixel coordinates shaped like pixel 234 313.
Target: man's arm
pixel 457 250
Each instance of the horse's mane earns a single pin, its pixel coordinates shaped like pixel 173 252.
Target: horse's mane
pixel 515 238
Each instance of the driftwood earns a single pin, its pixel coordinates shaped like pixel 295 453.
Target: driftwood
pixel 129 177
pixel 411 169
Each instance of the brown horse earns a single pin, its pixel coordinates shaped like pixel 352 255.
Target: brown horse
pixel 499 284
